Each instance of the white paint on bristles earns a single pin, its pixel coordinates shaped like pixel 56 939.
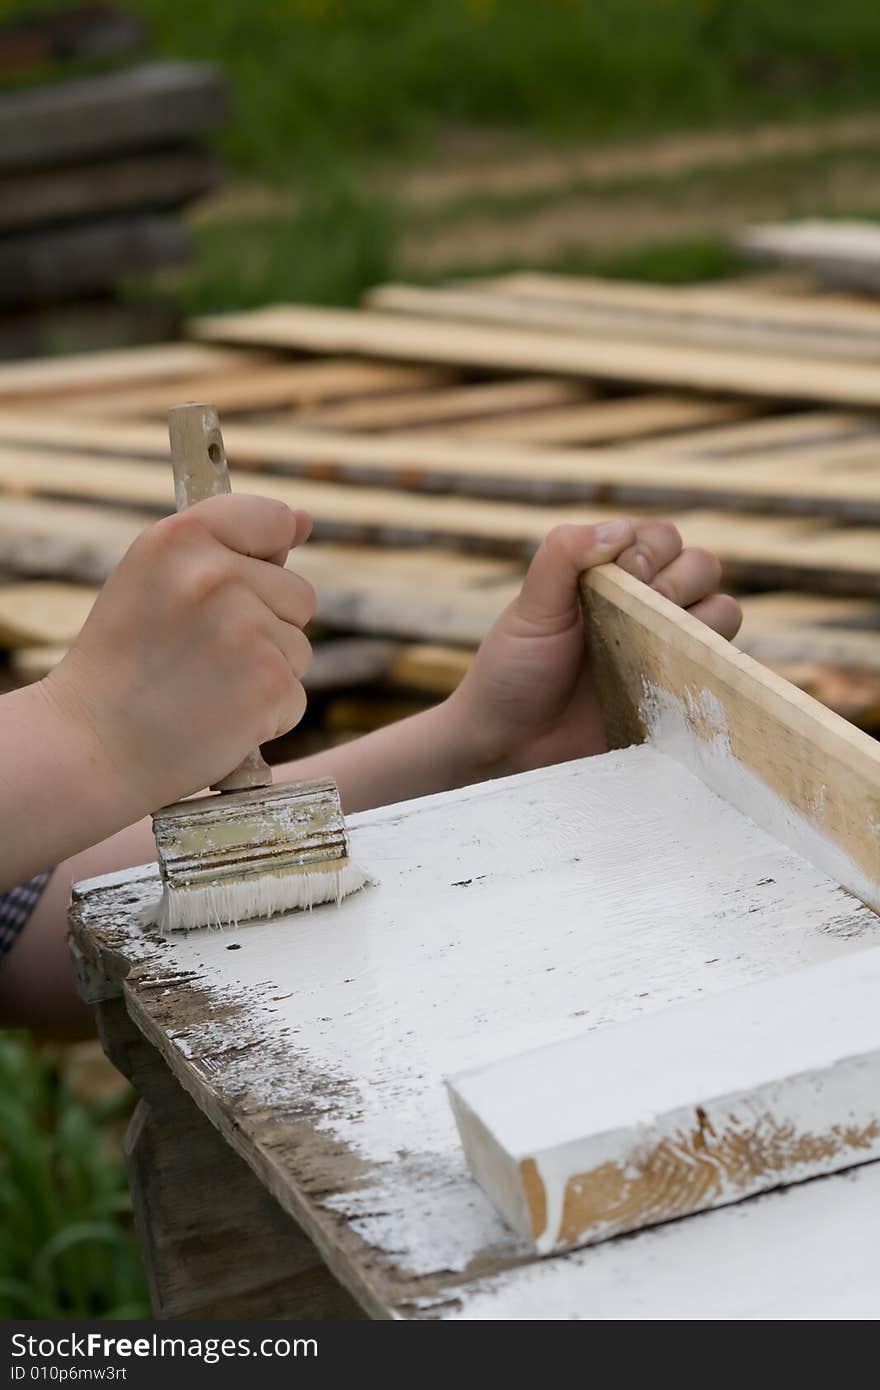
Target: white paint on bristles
pixel 229 902
pixel 507 916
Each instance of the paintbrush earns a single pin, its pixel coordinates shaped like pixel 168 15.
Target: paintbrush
pixel 253 849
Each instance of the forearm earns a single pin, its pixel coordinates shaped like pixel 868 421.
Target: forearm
pixel 59 792
pixel 423 754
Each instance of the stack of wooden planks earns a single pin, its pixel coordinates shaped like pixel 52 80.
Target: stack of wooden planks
pixel 94 168
pixel 437 435
pixel 842 255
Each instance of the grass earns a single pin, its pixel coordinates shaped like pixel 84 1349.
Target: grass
pixel 327 253
pixel 341 80
pixel 67 1249
pixel 318 83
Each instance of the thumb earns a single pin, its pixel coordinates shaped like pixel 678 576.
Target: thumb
pixel 550 589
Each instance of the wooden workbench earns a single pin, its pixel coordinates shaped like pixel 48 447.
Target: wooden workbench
pixel 295 1155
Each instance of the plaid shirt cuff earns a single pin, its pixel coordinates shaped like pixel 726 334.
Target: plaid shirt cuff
pixel 16 907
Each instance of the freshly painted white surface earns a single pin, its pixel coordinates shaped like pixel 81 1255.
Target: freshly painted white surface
pixel 786 1073
pixel 504 916
pixel 805 1253
pixel 711 758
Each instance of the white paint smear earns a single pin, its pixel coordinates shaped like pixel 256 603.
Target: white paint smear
pixel 505 916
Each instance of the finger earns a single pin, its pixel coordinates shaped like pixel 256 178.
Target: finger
pixel 256 526
pixel 720 612
pixel 294 646
pixel 291 708
pixel 290 597
pixel 550 589
pixel 656 545
pixel 692 576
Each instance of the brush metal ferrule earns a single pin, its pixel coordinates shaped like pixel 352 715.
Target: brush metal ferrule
pixel 246 835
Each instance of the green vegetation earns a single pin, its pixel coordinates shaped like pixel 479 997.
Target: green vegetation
pixel 338 80
pixel 327 253
pixel 66 1245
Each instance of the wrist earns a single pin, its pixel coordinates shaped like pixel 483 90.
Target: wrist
pixel 84 735
pixel 473 750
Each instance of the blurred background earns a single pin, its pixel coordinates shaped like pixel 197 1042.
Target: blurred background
pixel 305 150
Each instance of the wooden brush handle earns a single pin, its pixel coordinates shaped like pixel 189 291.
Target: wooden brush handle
pixel 198 459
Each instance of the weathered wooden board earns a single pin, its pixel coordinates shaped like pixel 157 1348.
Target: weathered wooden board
pixel 458 403
pixel 64 262
pixel 800 771
pixel 108 371
pixel 763 549
pixel 409 592
pixel 603 421
pixel 467 344
pixel 659 315
pixel 840 480
pixel 42 614
pixel 689 1108
pixel 258 385
pixel 164 180
pixel 844 254
pixel 154 104
pixel 327 1078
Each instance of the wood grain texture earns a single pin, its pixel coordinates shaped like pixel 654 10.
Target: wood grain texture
pixel 328 1081
pixel 215 1244
pixel 690 1108
pixel 800 771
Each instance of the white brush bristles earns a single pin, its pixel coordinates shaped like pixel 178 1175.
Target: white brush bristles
pixel 228 903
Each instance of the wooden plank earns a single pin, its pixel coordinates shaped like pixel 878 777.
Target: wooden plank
pixel 793 550
pixel 107 371
pixel 465 344
pixel 463 402
pixel 736 315
pixel 845 254
pixel 615 321
pixel 432 668
pixel 151 105
pixel 686 1109
pixel 804 431
pixel 341 512
pixel 256 386
pixel 62 263
pixel 763 1260
pixel 87 325
pixel 603 421
pixel 834 483
pixel 42 614
pixel 136 183
pixel 409 593
pixel 780 610
pixel 215 1245
pixel 445 966
pixel 795 768
pixel 828 646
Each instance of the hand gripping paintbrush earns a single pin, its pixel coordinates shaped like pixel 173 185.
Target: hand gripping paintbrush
pixel 253 849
